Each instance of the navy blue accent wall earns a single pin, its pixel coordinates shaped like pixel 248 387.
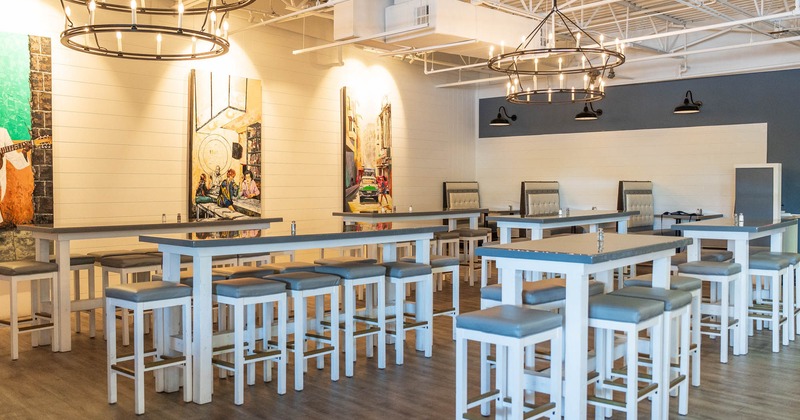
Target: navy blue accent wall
pixel 770 98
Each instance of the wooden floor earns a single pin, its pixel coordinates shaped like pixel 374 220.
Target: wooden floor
pixel 45 385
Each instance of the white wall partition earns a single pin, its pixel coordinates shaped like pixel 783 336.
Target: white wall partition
pixel 690 167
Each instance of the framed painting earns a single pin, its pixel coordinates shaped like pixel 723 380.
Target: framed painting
pixel 225 146
pixel 366 155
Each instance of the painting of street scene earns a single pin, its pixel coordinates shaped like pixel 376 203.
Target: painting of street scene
pixel 225 144
pixel 367 157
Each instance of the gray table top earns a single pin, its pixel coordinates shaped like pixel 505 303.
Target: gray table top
pixel 200 224
pixel 727 224
pixel 574 215
pixel 583 249
pixel 256 237
pixel 404 214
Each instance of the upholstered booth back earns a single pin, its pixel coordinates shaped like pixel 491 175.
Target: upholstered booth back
pixel 539 198
pixel 461 195
pixel 637 195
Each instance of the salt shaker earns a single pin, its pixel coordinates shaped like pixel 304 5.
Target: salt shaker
pixel 179 217
pixel 294 228
pixel 560 212
pixel 410 209
pixel 163 217
pixel 567 211
pixel 741 219
pixel 600 240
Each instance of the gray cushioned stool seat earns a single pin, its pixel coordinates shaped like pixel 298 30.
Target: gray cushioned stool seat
pixel 623 309
pixel 352 270
pixel 793 257
pixel 108 253
pixel 18 268
pixel 453 234
pixel 539 292
pixel 185 259
pixel 243 271
pixel 472 233
pixel 187 277
pixel 710 268
pixel 248 287
pixel 509 321
pixel 306 280
pixel 130 260
pixel 290 266
pixel 705 255
pixel 673 299
pixel 768 262
pixel 399 269
pixel 687 284
pixel 148 291
pixel 437 261
pixel 76 259
pixel 344 259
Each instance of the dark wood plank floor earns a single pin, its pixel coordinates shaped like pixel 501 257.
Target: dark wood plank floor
pixel 45 385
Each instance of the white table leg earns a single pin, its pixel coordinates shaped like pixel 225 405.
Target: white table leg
pixel 168 380
pixel 537 233
pixel 622 226
pixel 576 323
pixel 61 300
pixel 742 256
pixel 511 282
pixel 473 222
pixel 424 297
pixel 202 333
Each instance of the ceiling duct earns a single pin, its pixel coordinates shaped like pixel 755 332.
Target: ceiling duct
pixel 451 24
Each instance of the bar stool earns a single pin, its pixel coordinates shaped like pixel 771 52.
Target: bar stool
pixel 15 272
pixel 243 295
pixel 676 310
pixel 794 298
pixel 445 243
pixel 78 263
pixel 354 275
pixel 724 274
pixel 124 265
pixel 512 329
pixel 440 265
pixel 718 255
pixel 139 297
pixel 469 239
pixel 609 313
pixel 695 287
pixel 777 310
pixel 544 294
pixel 401 274
pixel 302 285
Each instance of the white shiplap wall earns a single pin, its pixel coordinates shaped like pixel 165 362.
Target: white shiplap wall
pixel 690 167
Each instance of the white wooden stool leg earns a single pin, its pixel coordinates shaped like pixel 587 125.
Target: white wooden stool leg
pixel 381 291
pixel 111 353
pixel 283 313
pixel 400 333
pixel 334 334
pixel 349 342
pixel 238 353
pixel 138 351
pixel 76 286
pixel 461 376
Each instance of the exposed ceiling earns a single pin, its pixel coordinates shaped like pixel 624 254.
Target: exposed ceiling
pixel 665 39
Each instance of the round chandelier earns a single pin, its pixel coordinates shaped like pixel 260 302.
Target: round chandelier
pixel 149 29
pixel 544 70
